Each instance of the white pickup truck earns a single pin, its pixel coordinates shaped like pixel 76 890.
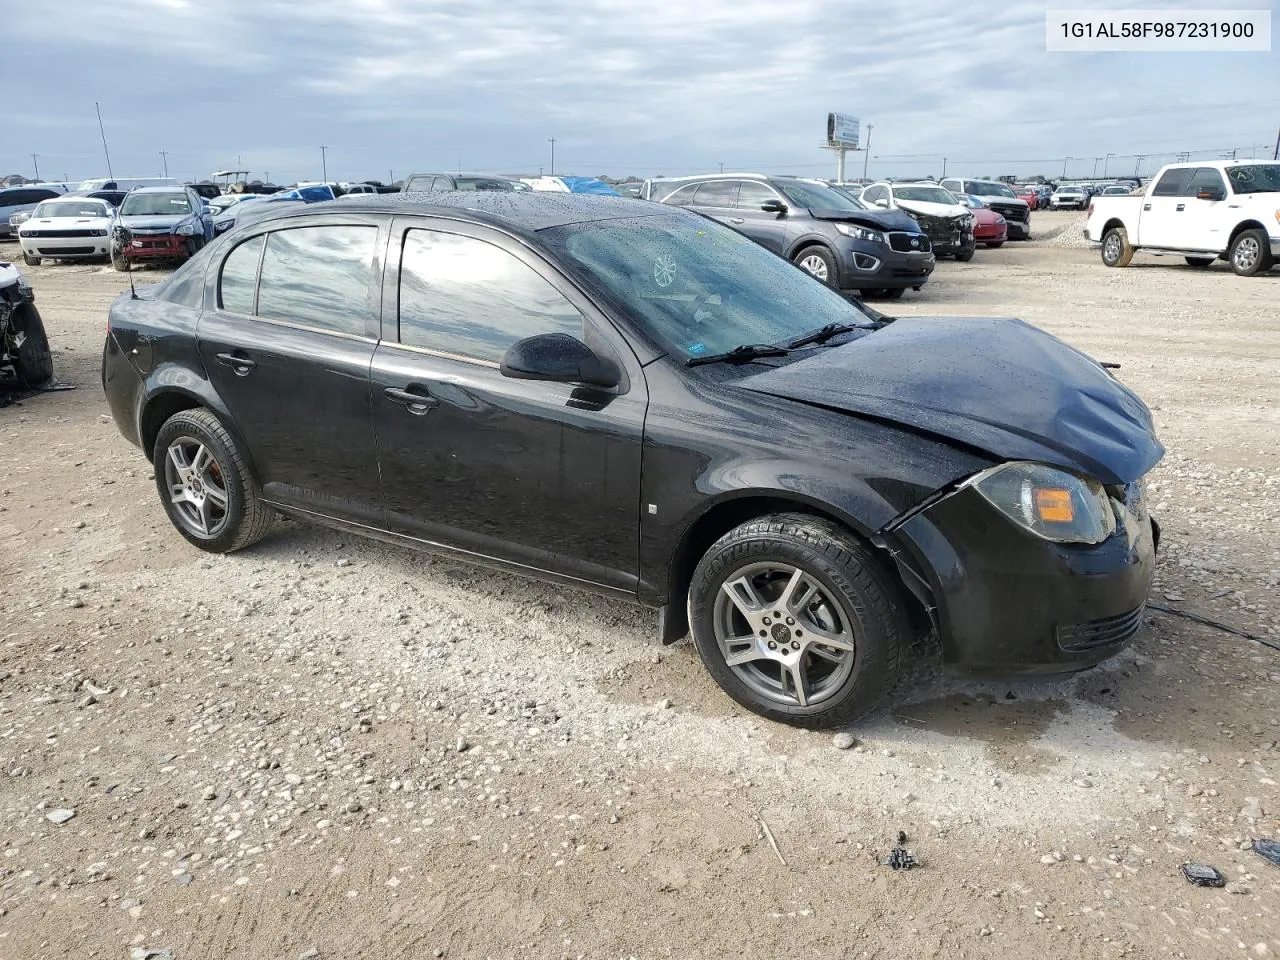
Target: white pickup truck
pixel 1205 211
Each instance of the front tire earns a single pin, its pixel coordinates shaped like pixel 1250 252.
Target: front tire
pixel 795 618
pixel 1116 251
pixel 996 245
pixel 1250 253
pixel 29 260
pixel 205 485
pixel 33 362
pixel 893 293
pixel 119 261
pixel 965 254
pixel 817 262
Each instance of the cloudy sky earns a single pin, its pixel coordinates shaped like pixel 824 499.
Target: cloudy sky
pixel 623 87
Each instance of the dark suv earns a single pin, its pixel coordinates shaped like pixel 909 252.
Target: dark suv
pixel 628 398
pixel 439 182
pixel 841 242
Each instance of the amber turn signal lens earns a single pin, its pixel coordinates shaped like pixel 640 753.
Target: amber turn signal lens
pixel 1054 505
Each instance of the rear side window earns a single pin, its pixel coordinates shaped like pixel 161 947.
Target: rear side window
pixel 467 297
pixel 872 194
pixel 318 277
pixel 1173 183
pixel 680 198
pixel 239 278
pixel 717 193
pixel 418 184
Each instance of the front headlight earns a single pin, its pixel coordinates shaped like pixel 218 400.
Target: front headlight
pixel 186 230
pixel 860 233
pixel 1050 503
pixel 100 232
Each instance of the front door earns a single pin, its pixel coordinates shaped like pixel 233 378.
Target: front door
pixel 1206 224
pixel 765 228
pixel 287 346
pixel 543 475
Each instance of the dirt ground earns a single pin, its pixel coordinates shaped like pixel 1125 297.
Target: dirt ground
pixel 324 747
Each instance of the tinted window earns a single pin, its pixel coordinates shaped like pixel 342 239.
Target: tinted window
pixel 467 297
pixel 1205 178
pixel 872 194
pixel 680 198
pixel 418 184
pixel 752 194
pixel 1173 183
pixel 240 277
pixel 186 285
pixel 318 277
pixel 815 196
pixel 717 193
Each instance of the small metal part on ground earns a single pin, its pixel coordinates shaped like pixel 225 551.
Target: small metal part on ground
pixel 1268 850
pixel 1203 875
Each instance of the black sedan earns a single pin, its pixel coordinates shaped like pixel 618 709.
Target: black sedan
pixel 629 398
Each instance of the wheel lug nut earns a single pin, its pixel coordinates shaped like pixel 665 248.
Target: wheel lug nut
pixel 795 646
pixel 767 621
pixel 790 621
pixel 772 645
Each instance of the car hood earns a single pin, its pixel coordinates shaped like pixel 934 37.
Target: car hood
pixel 141 222
pixel 882 219
pixel 997 385
pixel 934 209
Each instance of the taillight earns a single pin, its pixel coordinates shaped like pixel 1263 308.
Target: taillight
pixel 1089 212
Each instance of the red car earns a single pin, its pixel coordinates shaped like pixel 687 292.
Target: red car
pixel 1028 193
pixel 989 227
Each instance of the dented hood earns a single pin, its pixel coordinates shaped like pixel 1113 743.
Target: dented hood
pixel 1001 386
pixel 881 219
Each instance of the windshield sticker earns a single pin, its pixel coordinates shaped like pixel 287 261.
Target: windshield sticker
pixel 664 271
pixel 696 348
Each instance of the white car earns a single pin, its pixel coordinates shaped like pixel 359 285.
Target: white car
pixel 1205 211
pixel 68 228
pixel 1068 197
pixel 947 221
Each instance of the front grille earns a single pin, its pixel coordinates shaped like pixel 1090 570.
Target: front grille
pixel 941 229
pixel 64 251
pixel 145 244
pixel 1010 211
pixel 67 233
pixel 1079 637
pixel 903 242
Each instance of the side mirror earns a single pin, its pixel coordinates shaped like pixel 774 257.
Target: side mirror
pixel 559 358
pixel 773 206
pixel 1213 193
pixel 882 202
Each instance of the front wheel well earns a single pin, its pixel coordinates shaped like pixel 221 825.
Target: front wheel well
pixel 722 518
pixel 159 409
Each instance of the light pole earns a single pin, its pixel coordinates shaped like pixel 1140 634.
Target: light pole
pixel 165 157
pixel 866 156
pixel 552 141
pixel 1137 167
pixel 35 162
pixel 324 163
pixel 1064 167
pixel 944 168
pixel 722 166
pixel 1106 161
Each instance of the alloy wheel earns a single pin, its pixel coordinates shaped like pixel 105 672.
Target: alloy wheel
pixel 816 266
pixel 783 633
pixel 1111 249
pixel 197 487
pixel 1246 254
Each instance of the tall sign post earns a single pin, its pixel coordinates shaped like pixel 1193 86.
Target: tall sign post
pixel 842 136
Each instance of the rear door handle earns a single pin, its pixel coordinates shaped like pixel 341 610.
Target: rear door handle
pixel 239 365
pixel 418 403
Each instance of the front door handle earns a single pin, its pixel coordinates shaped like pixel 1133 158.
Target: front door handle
pixel 737 220
pixel 1180 207
pixel 1146 206
pixel 241 366
pixel 418 403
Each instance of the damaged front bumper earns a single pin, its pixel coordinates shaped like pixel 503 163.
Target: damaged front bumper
pixel 155 247
pixel 1007 602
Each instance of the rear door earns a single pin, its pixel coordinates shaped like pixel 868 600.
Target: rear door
pixel 1206 224
pixel 1164 210
pixel 718 198
pixel 287 345
pixel 543 475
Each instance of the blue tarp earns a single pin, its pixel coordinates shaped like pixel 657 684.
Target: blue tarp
pixel 588 185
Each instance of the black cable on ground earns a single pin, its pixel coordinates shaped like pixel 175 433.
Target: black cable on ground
pixel 1216 624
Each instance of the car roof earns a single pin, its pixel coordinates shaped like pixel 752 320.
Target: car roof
pixel 177 187
pixel 530 210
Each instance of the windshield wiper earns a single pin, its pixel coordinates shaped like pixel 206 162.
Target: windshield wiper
pixel 740 354
pixel 823 334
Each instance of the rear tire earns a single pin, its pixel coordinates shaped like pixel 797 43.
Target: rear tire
pixel 826 585
pixel 818 263
pixel 34 361
pixel 1250 253
pixel 1116 251
pixel 1199 261
pixel 206 486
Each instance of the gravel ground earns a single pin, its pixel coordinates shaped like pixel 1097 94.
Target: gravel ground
pixel 332 748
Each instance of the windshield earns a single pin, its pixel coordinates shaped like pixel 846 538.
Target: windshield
pixel 71 208
pixel 1255 178
pixel 853 194
pixel 980 189
pixel 816 196
pixel 155 205
pixel 698 287
pixel 925 195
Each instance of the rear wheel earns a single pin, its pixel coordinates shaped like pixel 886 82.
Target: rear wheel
pixel 1250 253
pixel 33 362
pixel 818 262
pixel 205 485
pixel 796 619
pixel 1199 261
pixel 1116 251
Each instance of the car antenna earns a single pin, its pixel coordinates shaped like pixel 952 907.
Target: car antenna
pixel 133 293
